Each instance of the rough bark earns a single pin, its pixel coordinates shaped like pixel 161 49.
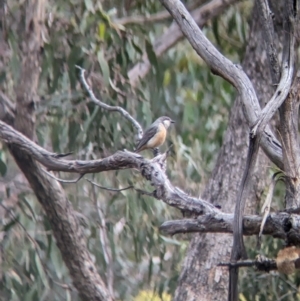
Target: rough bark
pixel 289 115
pixel 201 279
pixel 64 224
pixel 210 219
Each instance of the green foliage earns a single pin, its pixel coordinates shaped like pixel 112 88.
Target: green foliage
pixel 87 33
pixel 254 283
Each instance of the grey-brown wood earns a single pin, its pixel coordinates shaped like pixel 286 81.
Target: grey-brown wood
pixel 279 225
pixel 61 216
pixel 289 116
pixel 211 219
pixel 202 14
pixel 200 276
pixel 282 90
pixel 223 67
pixel 269 32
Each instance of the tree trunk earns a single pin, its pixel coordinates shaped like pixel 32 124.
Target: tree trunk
pixel 61 216
pixel 201 278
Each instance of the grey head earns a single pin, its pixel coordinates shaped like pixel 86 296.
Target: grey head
pixel 165 120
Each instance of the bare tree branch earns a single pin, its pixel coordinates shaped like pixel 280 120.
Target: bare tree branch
pixel 153 170
pixel 238 248
pixel 276 224
pixel 261 263
pixel 109 108
pixel 213 220
pixel 109 189
pixel 226 69
pixel 173 35
pixel 287 75
pixel 50 174
pixel 267 204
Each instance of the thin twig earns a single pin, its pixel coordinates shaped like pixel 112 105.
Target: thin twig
pixel 223 67
pixel 287 75
pixel 267 205
pixel 103 105
pixel 143 192
pixel 106 248
pixel 261 263
pixel 62 180
pixel 243 263
pixel 109 189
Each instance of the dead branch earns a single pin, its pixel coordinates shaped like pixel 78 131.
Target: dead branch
pixel 267 204
pixel 226 69
pixel 50 174
pixel 153 170
pixel 173 35
pixel 279 225
pixel 213 219
pixel 110 189
pixel 103 105
pixel 287 75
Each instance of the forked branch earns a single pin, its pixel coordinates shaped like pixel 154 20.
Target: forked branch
pixel 223 67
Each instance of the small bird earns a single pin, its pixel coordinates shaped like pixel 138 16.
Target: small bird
pixel 155 135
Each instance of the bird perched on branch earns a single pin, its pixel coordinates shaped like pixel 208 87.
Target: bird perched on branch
pixel 155 135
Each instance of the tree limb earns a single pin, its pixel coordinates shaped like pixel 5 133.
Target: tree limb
pixel 153 170
pixel 173 35
pixel 60 214
pixel 107 107
pixel 234 74
pixel 278 225
pixel 261 263
pixel 287 75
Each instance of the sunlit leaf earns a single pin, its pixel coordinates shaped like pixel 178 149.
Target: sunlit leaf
pixel 101 30
pixel 167 78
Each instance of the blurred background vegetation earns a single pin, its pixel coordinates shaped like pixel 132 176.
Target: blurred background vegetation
pixel 95 35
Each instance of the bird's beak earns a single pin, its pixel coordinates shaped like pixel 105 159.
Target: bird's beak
pixel 172 121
